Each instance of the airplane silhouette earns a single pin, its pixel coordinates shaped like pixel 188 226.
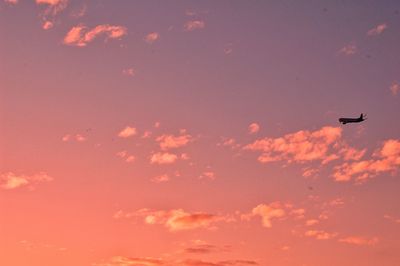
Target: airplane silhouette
pixel 345 120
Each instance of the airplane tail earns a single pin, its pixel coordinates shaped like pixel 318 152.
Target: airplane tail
pixel 361 116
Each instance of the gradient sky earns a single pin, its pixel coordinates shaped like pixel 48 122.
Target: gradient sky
pixel 199 133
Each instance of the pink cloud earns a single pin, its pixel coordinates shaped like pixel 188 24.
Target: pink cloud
pixel 302 146
pixel 360 241
pixel 80 36
pixel 138 261
pixel 170 141
pixel 152 37
pixel 13 2
pixel 47 25
pixel 387 160
pixel 161 178
pixel 127 132
pixel 209 175
pixel 163 158
pixel 254 128
pixel 129 72
pixel 320 234
pixel 194 25
pixel 377 30
pixel 76 137
pixel 269 212
pixel 11 180
pixel 395 88
pixel 349 49
pixel 175 220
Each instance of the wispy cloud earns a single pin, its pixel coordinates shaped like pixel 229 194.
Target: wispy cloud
pixel 127 132
pixel 73 137
pixel 12 2
pixel 175 219
pixel 129 72
pixel 387 160
pixel 269 212
pixel 302 146
pixel 254 128
pixel 170 141
pixel 395 88
pixel 320 234
pixel 194 25
pixel 11 180
pixel 163 158
pixel 349 49
pixel 360 241
pixel 53 7
pixel 377 30
pixel 152 37
pixel 126 261
pixel 80 35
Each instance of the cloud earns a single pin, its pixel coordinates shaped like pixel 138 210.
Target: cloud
pixel 377 30
pixel 127 132
pixel 175 219
pixel 193 262
pixel 152 37
pixel 302 146
pixel 311 222
pixel 149 261
pixel 11 180
pixel 126 156
pixel 47 25
pixel 320 234
pixel 210 175
pixel 163 158
pixel 170 141
pixel 349 49
pixel 53 7
pixel 395 88
pixel 269 212
pixel 80 35
pixel 129 72
pixel 194 25
pixel 254 128
pixel 387 160
pixel 161 178
pixel 76 137
pixel 12 2
pixel 360 241
pixel 125 261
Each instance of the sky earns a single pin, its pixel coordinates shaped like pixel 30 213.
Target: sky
pixel 199 133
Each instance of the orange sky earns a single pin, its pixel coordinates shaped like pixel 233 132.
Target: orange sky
pixel 199 133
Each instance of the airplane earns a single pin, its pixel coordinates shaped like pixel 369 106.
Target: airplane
pixel 344 120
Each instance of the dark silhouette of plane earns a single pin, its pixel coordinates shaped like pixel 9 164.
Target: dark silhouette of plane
pixel 345 120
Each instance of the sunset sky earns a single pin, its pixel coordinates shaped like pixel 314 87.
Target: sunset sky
pixel 199 133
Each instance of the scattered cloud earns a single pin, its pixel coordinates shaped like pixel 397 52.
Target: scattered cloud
pixel 170 141
pixel 11 180
pixel 160 179
pixel 320 234
pixel 377 30
pixel 125 261
pixel 395 88
pixel 192 262
pixel 152 37
pixel 72 137
pixel 12 2
pixel 129 72
pixel 254 128
pixel 387 160
pixel 302 146
pixel 349 49
pixel 311 222
pixel 127 132
pixel 209 175
pixel 174 220
pixel 201 247
pixel 269 212
pixel 47 25
pixel 80 35
pixel 163 158
pixel 360 241
pixel 194 25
